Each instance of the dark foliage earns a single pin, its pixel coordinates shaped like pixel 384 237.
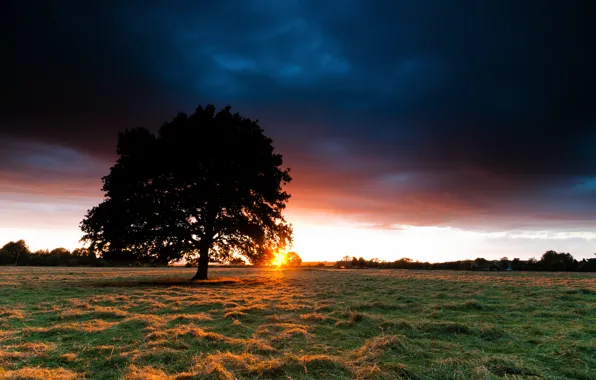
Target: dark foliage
pixel 14 252
pixel 550 261
pixel 293 259
pixel 55 257
pixel 206 186
pixel 236 261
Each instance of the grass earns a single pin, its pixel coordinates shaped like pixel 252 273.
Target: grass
pixel 134 323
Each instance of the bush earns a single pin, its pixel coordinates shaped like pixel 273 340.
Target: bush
pixel 73 262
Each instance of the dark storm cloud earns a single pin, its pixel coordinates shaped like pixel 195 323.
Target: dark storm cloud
pixel 425 112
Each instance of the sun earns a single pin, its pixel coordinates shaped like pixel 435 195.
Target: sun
pixel 279 259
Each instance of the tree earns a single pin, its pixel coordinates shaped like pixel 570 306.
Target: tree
pixel 12 251
pixel 236 261
pixel 60 252
pixel 361 262
pixel 345 262
pixel 208 184
pixel 81 252
pixel 402 263
pixel 293 260
pixel 504 263
pixel 588 265
pixel 554 261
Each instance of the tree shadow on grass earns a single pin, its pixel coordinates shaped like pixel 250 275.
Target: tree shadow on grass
pixel 170 282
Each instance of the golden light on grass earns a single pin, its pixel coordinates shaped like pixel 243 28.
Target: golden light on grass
pixel 280 324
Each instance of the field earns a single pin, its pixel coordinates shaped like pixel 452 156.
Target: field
pixel 111 323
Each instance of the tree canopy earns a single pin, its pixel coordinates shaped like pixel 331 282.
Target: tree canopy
pixel 207 185
pixel 12 251
pixel 293 259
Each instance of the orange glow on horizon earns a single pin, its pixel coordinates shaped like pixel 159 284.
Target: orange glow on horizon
pixel 327 237
pixel 279 259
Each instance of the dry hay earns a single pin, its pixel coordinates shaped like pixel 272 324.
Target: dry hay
pixel 38 373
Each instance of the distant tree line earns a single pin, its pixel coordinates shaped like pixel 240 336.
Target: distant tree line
pixel 18 253
pixel 550 261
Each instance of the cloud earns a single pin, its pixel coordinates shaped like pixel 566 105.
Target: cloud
pixel 467 114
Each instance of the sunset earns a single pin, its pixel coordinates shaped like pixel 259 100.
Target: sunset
pixel 414 130
pixel 298 189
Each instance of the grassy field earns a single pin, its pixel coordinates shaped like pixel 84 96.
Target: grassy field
pixel 110 323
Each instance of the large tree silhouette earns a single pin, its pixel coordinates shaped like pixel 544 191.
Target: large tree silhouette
pixel 208 184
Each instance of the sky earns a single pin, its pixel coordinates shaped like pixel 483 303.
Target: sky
pixel 435 130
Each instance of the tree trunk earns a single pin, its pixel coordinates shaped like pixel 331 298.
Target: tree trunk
pixel 203 263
